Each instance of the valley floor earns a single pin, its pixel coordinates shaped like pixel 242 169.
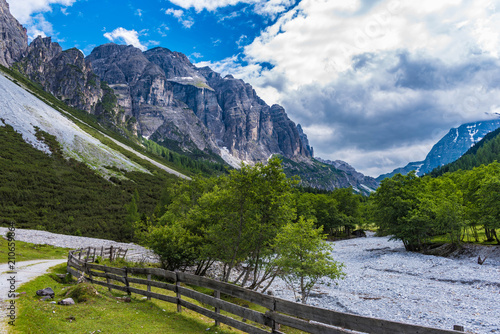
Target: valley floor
pixel 383 281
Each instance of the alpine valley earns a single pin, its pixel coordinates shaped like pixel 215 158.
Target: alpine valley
pixel 159 96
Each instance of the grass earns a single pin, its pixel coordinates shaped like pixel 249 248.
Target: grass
pixel 102 312
pixel 468 238
pixel 27 251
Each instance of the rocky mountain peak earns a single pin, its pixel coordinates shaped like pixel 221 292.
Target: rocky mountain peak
pixel 13 37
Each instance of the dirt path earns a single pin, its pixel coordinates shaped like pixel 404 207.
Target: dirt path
pixel 24 272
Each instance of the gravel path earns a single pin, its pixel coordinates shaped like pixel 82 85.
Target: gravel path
pixel 24 272
pixel 384 281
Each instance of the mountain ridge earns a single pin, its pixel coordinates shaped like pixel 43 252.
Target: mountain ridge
pixel 449 148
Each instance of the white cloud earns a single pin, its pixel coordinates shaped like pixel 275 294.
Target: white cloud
pixel 179 15
pixel 162 30
pixel 262 7
pixel 38 26
pixel 129 37
pixel 23 9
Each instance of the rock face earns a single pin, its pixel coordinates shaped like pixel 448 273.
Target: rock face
pixel 62 73
pixel 174 100
pixel 13 37
pixel 67 76
pixel 451 147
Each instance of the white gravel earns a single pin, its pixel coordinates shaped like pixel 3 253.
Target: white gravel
pixel 384 281
pixel 135 252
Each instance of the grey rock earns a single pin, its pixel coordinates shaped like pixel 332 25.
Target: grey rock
pixel 13 37
pixel 44 298
pixel 67 301
pixel 46 292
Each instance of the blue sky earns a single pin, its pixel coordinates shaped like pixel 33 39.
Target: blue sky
pixel 374 83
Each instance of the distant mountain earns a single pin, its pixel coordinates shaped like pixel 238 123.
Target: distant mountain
pixel 330 175
pixel 451 147
pixel 484 152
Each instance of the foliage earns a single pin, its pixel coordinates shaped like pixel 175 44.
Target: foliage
pixel 197 164
pixel 303 257
pixel 415 210
pixel 65 196
pixel 232 219
pixel 400 212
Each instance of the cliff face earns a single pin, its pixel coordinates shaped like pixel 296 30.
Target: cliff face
pixel 174 100
pixel 13 37
pixel 64 74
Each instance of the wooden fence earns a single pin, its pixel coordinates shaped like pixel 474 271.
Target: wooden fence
pixel 307 318
pixel 89 254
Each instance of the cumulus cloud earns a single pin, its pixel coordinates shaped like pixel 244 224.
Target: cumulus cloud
pixel 262 7
pixel 38 26
pixel 129 37
pixel 23 9
pixel 179 15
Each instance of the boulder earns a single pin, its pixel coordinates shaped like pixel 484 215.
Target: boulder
pixel 46 292
pixel 359 233
pixel 67 301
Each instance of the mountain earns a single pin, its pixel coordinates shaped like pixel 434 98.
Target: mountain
pixel 449 148
pixel 486 151
pixel 329 175
pixel 62 174
pixel 159 95
pixel 14 40
pixel 175 101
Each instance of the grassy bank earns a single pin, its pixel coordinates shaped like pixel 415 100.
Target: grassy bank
pixel 26 251
pixel 101 312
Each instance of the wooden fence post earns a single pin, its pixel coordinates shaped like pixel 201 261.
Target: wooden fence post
pixel 126 281
pixel 111 253
pixel 149 286
pixel 275 327
pixel 217 310
pixel 80 254
pixel 178 294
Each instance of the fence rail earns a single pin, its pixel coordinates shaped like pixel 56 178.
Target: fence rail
pixel 303 317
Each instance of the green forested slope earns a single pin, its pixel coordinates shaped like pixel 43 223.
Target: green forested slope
pixel 49 192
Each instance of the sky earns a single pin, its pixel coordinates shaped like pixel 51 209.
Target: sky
pixel 374 83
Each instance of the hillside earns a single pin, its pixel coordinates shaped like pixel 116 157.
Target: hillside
pixel 59 177
pixel 484 152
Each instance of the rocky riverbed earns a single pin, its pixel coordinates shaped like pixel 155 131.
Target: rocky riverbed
pixel 383 281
